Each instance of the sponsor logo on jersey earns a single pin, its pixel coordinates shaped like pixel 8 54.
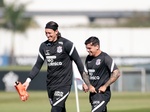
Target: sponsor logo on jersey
pixel 50 58
pixel 98 61
pixel 59 49
pixel 55 64
pixel 48 44
pixel 47 52
pixel 91 70
pixel 51 62
pixel 96 103
pixel 89 62
pixel 58 93
pixel 92 77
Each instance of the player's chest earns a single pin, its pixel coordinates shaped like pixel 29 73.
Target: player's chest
pixel 55 54
pixel 95 63
pixel 54 50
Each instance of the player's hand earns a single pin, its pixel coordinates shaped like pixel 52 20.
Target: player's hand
pixel 92 89
pixel 26 85
pixel 102 89
pixel 21 91
pixel 85 88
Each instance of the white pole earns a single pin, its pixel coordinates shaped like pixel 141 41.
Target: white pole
pixel 76 95
pixel 120 80
pixel 143 80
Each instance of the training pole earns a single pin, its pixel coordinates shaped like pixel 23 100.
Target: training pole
pixel 76 95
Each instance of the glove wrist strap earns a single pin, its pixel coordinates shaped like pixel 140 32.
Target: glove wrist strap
pixel 28 80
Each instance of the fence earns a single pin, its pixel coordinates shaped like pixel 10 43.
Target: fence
pixel 133 79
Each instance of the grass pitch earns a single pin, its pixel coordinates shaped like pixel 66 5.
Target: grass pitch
pixel 38 102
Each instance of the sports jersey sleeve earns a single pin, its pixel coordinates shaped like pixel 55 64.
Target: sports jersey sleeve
pixel 71 50
pixel 110 63
pixel 39 62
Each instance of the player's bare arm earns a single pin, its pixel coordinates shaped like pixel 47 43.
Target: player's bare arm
pixel 86 80
pixel 85 88
pixel 115 75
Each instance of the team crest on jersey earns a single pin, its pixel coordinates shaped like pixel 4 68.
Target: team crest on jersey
pixel 98 61
pixel 59 49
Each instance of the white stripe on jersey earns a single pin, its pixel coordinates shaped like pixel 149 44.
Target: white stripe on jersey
pixel 71 50
pixel 112 66
pixel 61 99
pixel 41 56
pixel 85 69
pixel 98 106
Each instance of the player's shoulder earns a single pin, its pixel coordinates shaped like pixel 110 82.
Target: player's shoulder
pixel 89 58
pixel 45 43
pixel 104 53
pixel 65 41
pixel 106 56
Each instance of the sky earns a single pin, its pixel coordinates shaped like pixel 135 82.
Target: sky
pixel 98 5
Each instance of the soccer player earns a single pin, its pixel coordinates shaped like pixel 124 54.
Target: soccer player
pixel 59 54
pixel 102 73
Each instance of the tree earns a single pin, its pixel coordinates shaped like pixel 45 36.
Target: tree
pixel 139 19
pixel 1 3
pixel 14 20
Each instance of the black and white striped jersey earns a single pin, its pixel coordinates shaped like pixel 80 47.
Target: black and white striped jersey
pixel 59 56
pixel 99 69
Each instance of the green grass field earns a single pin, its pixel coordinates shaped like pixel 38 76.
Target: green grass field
pixel 38 102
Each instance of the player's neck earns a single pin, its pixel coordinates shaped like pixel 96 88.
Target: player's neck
pixel 98 53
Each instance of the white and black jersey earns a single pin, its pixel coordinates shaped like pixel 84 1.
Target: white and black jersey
pixel 59 56
pixel 100 69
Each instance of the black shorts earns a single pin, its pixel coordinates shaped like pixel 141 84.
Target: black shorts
pixel 99 101
pixel 58 96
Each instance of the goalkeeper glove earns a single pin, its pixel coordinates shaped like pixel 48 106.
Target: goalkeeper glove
pixel 21 91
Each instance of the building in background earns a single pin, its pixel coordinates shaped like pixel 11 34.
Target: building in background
pixel 122 43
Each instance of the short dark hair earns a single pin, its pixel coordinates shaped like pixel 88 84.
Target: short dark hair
pixel 93 40
pixel 52 25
